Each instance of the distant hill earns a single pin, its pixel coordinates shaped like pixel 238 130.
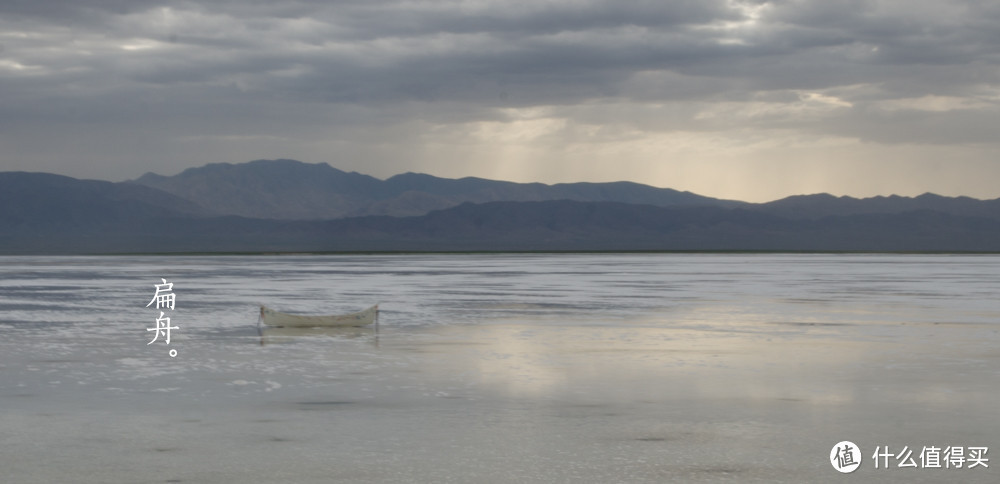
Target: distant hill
pixel 571 225
pixel 292 190
pixel 42 213
pixel 31 201
pixel 825 205
pixel 279 189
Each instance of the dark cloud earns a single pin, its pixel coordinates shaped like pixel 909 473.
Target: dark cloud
pixel 311 73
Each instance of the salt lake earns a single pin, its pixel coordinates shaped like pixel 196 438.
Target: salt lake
pixel 499 368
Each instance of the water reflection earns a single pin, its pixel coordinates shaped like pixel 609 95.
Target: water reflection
pixel 654 364
pixel 280 335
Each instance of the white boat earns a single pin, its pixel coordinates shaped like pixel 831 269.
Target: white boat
pixel 271 317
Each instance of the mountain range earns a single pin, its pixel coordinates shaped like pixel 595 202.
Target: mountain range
pixel 285 205
pixel 292 190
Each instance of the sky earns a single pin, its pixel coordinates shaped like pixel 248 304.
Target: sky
pixel 741 99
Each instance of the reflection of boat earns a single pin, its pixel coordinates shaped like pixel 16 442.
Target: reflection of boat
pixel 278 334
pixel 271 317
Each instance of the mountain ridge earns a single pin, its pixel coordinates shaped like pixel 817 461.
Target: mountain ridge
pixel 264 189
pixel 824 204
pixel 293 190
pixel 559 225
pixel 47 213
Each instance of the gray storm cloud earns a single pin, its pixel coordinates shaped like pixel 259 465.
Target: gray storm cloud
pixel 856 97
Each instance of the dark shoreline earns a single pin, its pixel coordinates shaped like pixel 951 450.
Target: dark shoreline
pixel 501 252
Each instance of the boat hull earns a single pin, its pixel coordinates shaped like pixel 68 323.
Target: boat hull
pixel 271 317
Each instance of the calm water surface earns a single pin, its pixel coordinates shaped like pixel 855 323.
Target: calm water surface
pixel 495 368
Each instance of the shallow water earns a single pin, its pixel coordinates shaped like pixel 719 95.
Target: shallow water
pixel 497 368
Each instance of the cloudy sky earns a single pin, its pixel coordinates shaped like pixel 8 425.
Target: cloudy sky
pixel 743 99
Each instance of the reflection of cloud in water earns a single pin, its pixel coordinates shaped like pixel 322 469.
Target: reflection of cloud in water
pixel 641 363
pixel 654 364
